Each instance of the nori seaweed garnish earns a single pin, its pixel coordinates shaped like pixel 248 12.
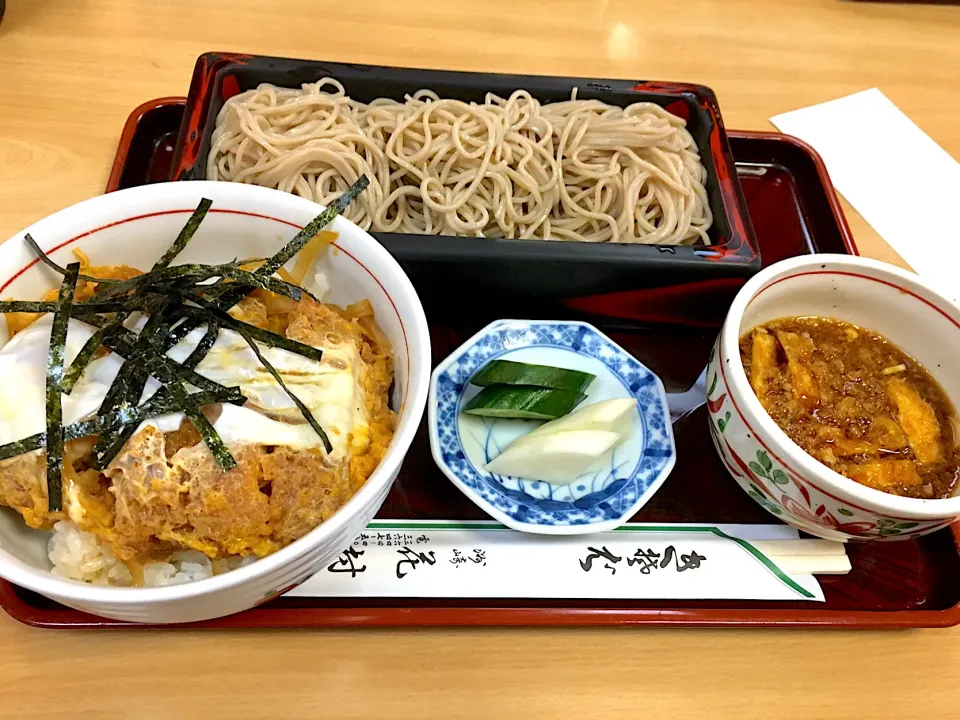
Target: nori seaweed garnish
pixel 55 359
pixel 144 352
pixel 196 274
pixel 83 358
pixel 204 346
pixel 179 332
pixel 335 208
pixel 45 259
pixel 265 336
pixel 76 309
pixel 304 410
pixel 186 234
pixel 108 445
pixel 172 384
pixel 120 389
pixel 123 343
pixel 129 383
pixel 153 407
pixel 231 296
pixel 114 445
pixel 27 306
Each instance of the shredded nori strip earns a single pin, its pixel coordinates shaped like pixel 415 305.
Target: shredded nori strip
pixel 186 234
pixel 244 261
pixel 267 337
pixel 161 271
pixel 55 359
pixel 113 447
pixel 45 259
pixel 197 273
pixel 171 382
pixel 103 460
pixel 247 278
pixel 187 375
pixel 83 358
pixel 154 407
pixel 312 228
pixel 204 346
pixel 128 385
pixel 76 309
pixel 120 389
pixel 228 297
pixel 114 443
pixel 102 336
pixel 27 306
pixel 105 438
pixel 179 332
pixel 123 343
pixel 134 376
pixel 171 375
pixel 304 410
pixel 168 372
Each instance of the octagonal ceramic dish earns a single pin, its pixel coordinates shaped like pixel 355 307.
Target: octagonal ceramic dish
pixel 599 500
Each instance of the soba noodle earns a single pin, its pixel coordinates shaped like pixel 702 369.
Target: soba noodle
pixel 576 170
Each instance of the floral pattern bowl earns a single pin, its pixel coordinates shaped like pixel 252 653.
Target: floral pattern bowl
pixel 601 499
pixel 769 466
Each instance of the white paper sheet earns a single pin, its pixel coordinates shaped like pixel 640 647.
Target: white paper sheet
pixel 904 184
pixel 486 560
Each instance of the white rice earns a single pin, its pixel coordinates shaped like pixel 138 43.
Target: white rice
pixel 79 555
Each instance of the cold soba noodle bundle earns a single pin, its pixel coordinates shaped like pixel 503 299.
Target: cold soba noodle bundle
pixel 575 170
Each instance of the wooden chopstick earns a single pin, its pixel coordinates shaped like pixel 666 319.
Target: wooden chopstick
pixel 794 565
pixel 806 557
pixel 800 547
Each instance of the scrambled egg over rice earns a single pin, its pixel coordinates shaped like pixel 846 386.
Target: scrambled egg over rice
pixel 164 492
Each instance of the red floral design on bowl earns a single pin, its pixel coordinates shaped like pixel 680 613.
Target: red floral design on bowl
pixel 769 466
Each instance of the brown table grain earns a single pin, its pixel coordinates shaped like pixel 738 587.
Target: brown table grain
pixel 71 71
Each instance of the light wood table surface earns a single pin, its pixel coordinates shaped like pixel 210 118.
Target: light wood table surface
pixel 70 73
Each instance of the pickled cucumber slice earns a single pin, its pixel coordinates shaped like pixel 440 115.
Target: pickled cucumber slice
pixel 508 372
pixel 523 402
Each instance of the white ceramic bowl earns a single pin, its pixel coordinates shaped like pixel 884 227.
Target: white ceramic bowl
pixel 774 470
pixel 134 227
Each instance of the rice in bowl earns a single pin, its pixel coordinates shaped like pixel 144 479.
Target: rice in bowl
pixel 79 555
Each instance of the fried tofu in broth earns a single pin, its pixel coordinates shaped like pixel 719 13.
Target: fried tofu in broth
pixel 857 403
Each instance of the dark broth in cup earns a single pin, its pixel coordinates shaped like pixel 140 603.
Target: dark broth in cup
pixel 857 403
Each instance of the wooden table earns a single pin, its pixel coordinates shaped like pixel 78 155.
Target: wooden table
pixel 70 72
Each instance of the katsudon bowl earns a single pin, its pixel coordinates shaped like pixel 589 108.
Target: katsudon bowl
pixel 759 455
pixel 134 227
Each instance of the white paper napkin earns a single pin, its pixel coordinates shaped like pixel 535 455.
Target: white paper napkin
pixel 904 184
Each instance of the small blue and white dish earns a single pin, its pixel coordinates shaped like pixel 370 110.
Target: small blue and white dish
pixel 601 499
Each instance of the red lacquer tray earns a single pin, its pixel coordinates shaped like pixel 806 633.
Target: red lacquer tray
pixel 795 211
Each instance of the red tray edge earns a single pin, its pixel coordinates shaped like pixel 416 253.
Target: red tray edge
pixel 385 617
pixel 266 617
pixel 128 133
pixel 822 172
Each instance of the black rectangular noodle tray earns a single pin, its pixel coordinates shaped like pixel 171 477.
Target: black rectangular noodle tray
pixel 629 281
pixel 795 211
